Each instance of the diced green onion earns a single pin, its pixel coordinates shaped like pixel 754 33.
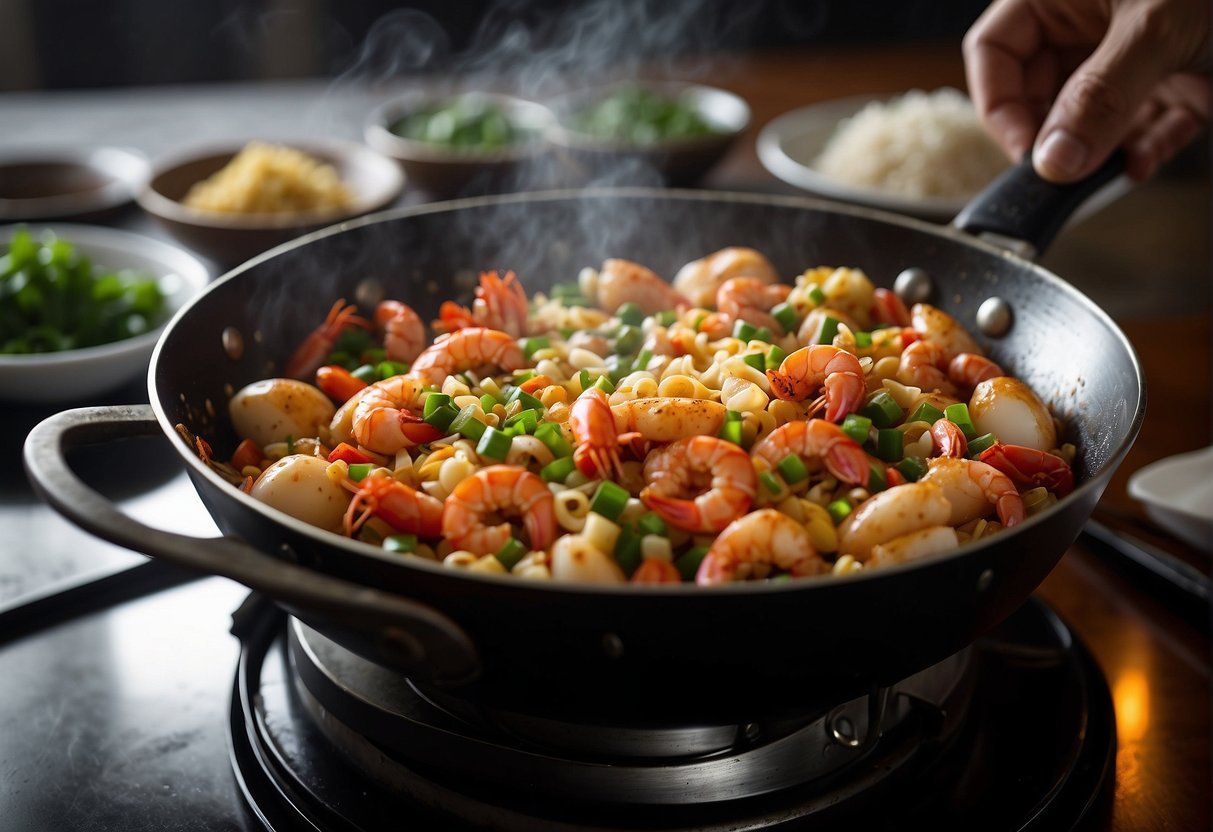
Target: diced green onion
pixel 775 357
pixel 488 402
pixel 785 313
pixel 979 443
pixel 763 333
pixel 529 402
pixel 604 384
pixel 926 412
pixel 876 479
pixel 959 414
pixel 882 409
pixel 688 562
pixel 400 543
pixel 374 355
pixel 792 469
pixel 521 376
pixel 829 328
pixel 494 444
pixel 512 551
pixel 666 317
pixel 442 416
pixel 770 482
pixel 733 416
pixel 630 339
pixel 290 444
pixel 744 330
pixel 618 366
pixel 839 509
pixel 530 346
pixel 433 401
pixel 467 424
pixel 552 435
pixel 528 419
pixel 817 296
pixel 359 470
pixel 558 469
pixel 863 340
pixel 583 378
pixel 630 313
pixel 857 427
pixel 889 444
pixel 609 500
pixel 731 432
pixel 628 550
pixel 388 369
pixel 756 360
pixel 643 359
pixel 912 468
pixel 651 523
pixel 366 372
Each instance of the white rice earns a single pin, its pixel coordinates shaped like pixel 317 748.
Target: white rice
pixel 916 145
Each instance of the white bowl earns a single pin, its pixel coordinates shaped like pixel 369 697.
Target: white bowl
pixel 75 375
pixel 1178 495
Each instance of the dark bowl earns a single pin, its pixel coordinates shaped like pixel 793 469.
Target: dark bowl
pixel 68 181
pixel 232 238
pixel 676 161
pixel 447 172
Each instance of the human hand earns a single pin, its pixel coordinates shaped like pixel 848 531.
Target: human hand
pixel 1074 79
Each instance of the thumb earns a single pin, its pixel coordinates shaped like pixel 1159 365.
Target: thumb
pixel 1094 110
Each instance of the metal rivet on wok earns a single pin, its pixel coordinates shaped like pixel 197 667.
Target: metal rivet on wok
pixel 233 342
pixel 612 645
pixel 368 293
pixel 994 317
pixel 913 285
pixel 288 553
pixel 985 579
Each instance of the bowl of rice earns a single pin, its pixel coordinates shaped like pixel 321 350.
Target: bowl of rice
pixel 919 153
pixel 232 202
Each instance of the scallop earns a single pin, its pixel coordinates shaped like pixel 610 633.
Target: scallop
pixel 271 410
pixel 299 486
pixel 1007 408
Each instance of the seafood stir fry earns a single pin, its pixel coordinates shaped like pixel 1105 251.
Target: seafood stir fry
pixel 721 427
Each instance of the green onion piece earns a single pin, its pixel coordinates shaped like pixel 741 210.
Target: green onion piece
pixel 642 360
pixel 512 551
pixel 876 479
pixel 494 444
pixel 631 339
pixel 785 313
pixel 792 468
pixel 628 550
pixel 882 409
pixel 609 500
pixel 290 444
pixel 829 328
pixel 530 346
pixel 583 378
pixel 770 482
pixel 980 443
pixel 733 416
pixel 889 446
pixel 817 296
pixel 688 562
pixel 434 401
pixel 558 469
pixel 442 416
pixel 467 424
pixel 775 357
pixel 560 290
pixel 604 384
pixel 367 372
pixel 374 355
pixel 529 402
pixel 863 340
pixel 763 333
pixel 756 360
pixel 527 419
pixel 744 330
pixel 839 509
pixel 698 319
pixel 359 470
pixel 926 412
pixel 857 427
pixel 731 432
pixel 666 317
pixel 342 359
pixel 552 435
pixel 629 313
pixel 618 366
pixel 912 468
pixel 400 543
pixel 488 402
pixel 651 523
pixel 959 414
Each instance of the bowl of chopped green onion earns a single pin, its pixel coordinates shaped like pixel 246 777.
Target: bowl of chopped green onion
pixel 81 307
pixel 460 144
pixel 639 130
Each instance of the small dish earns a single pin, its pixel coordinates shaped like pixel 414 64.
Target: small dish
pixel 68 181
pixel 75 375
pixel 1178 495
pixel 675 161
pixel 445 171
pixel 232 238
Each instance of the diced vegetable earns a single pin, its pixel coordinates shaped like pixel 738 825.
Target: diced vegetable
pixel 467 424
pixel 359 470
pixel 551 434
pixel 980 443
pixel 912 468
pixel 785 313
pixel 793 469
pixel 857 427
pixel 494 444
pixel 530 346
pixel 890 444
pixel 558 469
pixel 651 523
pixel 829 328
pixel 630 313
pixel 839 509
pixel 688 562
pixel 925 412
pixel 609 500
pixel 400 543
pixel 959 415
pixel 512 551
pixel 770 482
pixel 882 409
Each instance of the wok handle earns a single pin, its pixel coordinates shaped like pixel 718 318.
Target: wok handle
pixel 397 632
pixel 1021 208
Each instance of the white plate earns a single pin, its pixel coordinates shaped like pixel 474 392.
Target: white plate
pixel 75 375
pixel 1178 495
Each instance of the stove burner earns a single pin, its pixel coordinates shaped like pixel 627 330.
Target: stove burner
pixel 1016 732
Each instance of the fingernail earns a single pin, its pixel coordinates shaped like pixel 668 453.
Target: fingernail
pixel 1061 154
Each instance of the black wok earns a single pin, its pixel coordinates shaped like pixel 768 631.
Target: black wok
pixel 642 655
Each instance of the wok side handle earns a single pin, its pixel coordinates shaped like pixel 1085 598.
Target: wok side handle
pixel 397 632
pixel 1021 208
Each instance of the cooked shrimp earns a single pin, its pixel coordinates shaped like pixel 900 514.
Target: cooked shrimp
pixel 403 330
pixel 666 419
pixel 751 545
pixel 382 420
pixel 948 439
pixel 468 349
pixel 401 507
pixel 593 424
pixel 914 546
pixel 716 470
pixel 817 442
pixel 338 383
pixel 891 514
pixel 622 281
pixel 937 326
pixel 888 308
pixel 750 299
pixel 811 368
pixel 924 364
pixel 575 560
pixel 1029 468
pixel 968 370
pixel 500 303
pixel 700 279
pixel 656 571
pixel 497 491
pixel 1009 409
pixel 973 489
pixel 315 348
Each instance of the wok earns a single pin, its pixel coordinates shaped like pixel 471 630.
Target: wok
pixel 639 655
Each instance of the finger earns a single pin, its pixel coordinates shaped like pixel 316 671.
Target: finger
pixel 1162 134
pixel 1094 109
pixel 996 50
